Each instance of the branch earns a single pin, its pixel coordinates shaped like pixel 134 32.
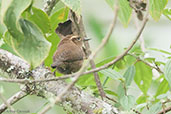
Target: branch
pixel 165 111
pixel 15 98
pixel 6 103
pixel 74 100
pixel 153 67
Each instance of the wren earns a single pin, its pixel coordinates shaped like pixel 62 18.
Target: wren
pixel 69 55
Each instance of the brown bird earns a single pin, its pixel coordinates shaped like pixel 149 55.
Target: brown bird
pixel 70 55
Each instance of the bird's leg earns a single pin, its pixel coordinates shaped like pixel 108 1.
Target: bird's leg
pixel 54 73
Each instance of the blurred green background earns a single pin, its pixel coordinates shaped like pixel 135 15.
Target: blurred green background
pixel 97 16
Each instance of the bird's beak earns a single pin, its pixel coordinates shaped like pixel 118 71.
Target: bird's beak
pixel 87 39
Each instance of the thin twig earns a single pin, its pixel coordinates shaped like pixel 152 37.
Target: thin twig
pixel 111 99
pixel 84 67
pixel 153 67
pixel 137 112
pixel 19 95
pixel 7 104
pixel 97 80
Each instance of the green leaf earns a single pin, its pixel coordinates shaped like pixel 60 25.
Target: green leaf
pixel 7 45
pixel 2 27
pixel 129 60
pixel 167 72
pixel 86 80
pixel 162 96
pixel 54 39
pixel 120 91
pixel 121 64
pixel 167 13
pixel 150 59
pixel 127 102
pixel 156 8
pixel 158 63
pixel 142 99
pixel 111 73
pixel 141 105
pixel 163 88
pixel 59 16
pixel 110 92
pixel 160 50
pixel 27 40
pixel 129 75
pixel 104 61
pixel 111 3
pixel 74 5
pixel 154 109
pixel 58 6
pixel 124 11
pixel 2 30
pixel 38 17
pixel 55 19
pixel 143 76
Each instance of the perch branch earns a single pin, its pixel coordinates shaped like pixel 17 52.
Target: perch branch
pixel 16 68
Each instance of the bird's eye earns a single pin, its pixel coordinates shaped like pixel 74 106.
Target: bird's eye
pixel 78 38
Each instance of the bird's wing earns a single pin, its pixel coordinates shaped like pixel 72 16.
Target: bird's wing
pixel 69 53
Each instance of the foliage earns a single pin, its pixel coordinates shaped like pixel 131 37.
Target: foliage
pixel 28 32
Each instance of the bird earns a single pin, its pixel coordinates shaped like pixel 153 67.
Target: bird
pixel 69 55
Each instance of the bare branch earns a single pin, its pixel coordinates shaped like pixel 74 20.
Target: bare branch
pixel 153 67
pixel 97 80
pixel 19 95
pixel 7 104
pixel 165 111
pixel 15 68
